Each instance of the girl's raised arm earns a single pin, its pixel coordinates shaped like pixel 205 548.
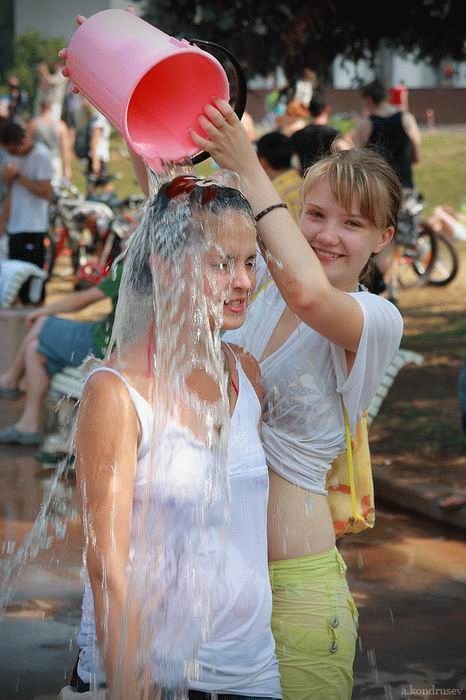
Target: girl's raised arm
pixel 292 262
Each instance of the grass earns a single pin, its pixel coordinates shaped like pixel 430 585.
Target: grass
pixel 440 175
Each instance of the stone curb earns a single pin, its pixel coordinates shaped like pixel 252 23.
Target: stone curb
pixel 418 498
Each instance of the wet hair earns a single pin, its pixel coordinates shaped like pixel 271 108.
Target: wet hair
pixel 12 134
pixel 175 219
pixel 276 149
pixel 376 91
pixel 360 174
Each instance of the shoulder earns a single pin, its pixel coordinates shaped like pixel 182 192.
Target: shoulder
pixel 250 367
pixel 41 154
pixel 380 313
pixel 106 398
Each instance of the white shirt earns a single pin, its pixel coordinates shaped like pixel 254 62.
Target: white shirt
pixel 28 212
pixel 304 378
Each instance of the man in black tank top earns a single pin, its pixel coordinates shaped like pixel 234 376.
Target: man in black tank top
pixel 393 133
pixel 318 138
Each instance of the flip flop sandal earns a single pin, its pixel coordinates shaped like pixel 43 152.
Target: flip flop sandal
pixel 11 435
pixel 6 393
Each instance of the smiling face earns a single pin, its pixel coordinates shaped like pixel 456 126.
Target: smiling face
pixel 230 276
pixel 342 240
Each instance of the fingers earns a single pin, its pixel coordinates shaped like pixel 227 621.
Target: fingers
pixel 203 143
pixel 131 9
pixel 80 19
pixel 225 110
pixel 63 53
pixel 214 116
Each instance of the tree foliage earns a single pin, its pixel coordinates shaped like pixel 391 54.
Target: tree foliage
pixel 30 49
pixel 294 34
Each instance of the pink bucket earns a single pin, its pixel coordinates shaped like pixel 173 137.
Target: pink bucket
pixel 151 86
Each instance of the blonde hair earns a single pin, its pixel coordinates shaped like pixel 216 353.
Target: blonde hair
pixel 362 175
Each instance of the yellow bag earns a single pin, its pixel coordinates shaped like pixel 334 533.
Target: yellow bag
pixel 349 482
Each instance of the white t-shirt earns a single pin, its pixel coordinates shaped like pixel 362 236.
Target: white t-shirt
pixel 28 212
pixel 304 379
pixel 103 146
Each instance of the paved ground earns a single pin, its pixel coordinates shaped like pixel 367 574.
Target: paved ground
pixel 407 575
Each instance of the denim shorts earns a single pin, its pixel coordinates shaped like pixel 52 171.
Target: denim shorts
pixel 65 343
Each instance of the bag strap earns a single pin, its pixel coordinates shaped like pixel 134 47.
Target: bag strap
pixel 350 462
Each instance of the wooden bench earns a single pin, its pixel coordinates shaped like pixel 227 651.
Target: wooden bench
pixel 66 387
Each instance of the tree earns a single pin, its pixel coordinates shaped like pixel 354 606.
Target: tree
pixel 6 36
pixel 267 33
pixel 30 49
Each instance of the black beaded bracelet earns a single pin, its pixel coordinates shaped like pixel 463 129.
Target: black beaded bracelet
pixel 280 205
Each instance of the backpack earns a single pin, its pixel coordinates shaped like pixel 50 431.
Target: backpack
pixel 82 141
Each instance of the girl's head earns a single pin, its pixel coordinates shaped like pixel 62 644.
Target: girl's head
pixel 195 227
pixel 351 201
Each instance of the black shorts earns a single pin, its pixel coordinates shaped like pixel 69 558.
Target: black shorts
pixel 27 246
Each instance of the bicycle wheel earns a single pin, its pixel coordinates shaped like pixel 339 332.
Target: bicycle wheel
pixel 418 259
pixel 446 264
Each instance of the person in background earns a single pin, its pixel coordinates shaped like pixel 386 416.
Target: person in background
pixel 17 98
pixel 445 219
pixel 274 151
pixel 25 215
pixel 99 131
pixel 51 87
pixel 51 344
pixel 53 133
pixel 392 131
pixel 72 107
pixel 295 118
pixel 317 138
pixel 3 190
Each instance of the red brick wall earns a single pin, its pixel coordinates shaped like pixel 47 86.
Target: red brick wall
pixel 449 104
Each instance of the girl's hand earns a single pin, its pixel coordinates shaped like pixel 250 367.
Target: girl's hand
pixel 225 138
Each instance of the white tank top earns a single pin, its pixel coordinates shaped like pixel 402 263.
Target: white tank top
pixel 239 657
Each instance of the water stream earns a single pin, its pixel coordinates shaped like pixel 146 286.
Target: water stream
pixel 162 330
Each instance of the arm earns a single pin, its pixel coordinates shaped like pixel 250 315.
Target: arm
pixel 360 136
pixel 106 459
pixel 298 274
pixel 412 130
pixel 65 150
pixel 68 304
pixel 140 171
pixel 96 135
pixel 41 188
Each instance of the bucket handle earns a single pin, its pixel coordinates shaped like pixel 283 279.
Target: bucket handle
pixel 240 84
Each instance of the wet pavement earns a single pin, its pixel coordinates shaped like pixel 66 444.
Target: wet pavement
pixel 407 577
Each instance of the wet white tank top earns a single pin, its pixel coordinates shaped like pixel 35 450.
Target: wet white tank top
pixel 239 657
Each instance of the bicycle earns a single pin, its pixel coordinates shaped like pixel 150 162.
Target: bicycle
pixel 417 243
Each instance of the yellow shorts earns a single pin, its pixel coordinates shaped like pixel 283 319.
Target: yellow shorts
pixel 314 622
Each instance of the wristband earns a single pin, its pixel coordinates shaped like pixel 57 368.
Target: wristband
pixel 280 205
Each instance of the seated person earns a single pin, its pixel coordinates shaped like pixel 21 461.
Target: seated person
pixel 51 345
pixel 275 151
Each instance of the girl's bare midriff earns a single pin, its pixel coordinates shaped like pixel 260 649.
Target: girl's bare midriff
pixel 299 521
